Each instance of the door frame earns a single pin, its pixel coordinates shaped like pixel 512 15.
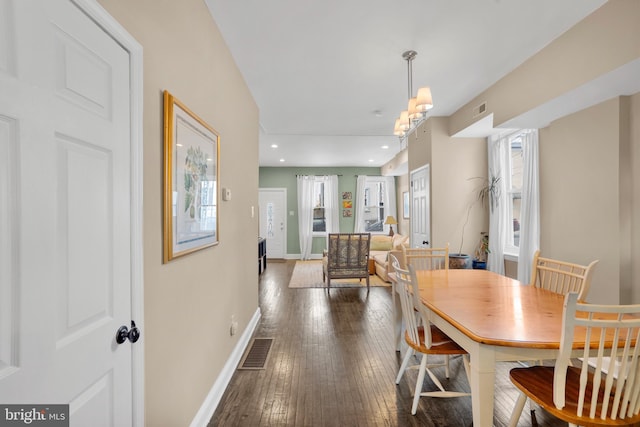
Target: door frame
pixel 282 190
pixel 114 29
pixel 427 169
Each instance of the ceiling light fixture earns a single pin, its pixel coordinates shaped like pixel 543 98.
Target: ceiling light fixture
pixel 418 105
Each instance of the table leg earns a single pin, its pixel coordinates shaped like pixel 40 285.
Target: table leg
pixel 482 385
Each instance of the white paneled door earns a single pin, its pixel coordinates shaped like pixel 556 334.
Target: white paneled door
pixel 420 208
pixel 65 213
pixel 273 226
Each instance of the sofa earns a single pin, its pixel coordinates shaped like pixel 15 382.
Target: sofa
pixel 379 249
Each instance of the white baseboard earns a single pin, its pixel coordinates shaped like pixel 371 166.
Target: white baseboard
pixel 210 404
pixel 297 256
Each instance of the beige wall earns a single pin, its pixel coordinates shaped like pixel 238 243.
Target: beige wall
pixel 580 194
pixel 454 162
pixel 602 42
pixel 634 155
pixel 189 301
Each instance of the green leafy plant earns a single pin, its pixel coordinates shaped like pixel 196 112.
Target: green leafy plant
pixel 482 250
pixel 487 192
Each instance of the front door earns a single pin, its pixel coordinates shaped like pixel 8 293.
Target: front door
pixel 65 213
pixel 273 226
pixel 420 208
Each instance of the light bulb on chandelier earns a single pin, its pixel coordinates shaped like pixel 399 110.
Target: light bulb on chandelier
pixel 418 105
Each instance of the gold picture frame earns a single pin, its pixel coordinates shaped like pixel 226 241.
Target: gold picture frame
pixel 191 181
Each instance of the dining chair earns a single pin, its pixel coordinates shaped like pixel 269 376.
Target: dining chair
pixel 561 277
pixel 423 337
pixel 427 258
pixel 600 390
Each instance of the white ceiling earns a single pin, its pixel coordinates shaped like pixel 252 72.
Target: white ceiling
pixel 329 78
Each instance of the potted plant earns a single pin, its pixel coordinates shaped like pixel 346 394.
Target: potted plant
pixel 480 259
pixel 487 192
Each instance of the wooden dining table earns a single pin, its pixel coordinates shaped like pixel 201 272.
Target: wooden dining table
pixel 495 319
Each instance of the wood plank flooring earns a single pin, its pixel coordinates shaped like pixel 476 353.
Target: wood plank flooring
pixel 332 363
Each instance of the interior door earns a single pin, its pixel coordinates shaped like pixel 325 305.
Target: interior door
pixel 65 216
pixel 273 224
pixel 420 207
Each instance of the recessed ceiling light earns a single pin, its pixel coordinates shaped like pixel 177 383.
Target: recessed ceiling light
pixel 282 160
pixel 370 160
pixel 274 145
pixel 385 147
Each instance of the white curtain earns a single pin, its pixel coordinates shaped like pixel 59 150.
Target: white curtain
pixel 331 204
pixel 305 214
pixel 498 150
pixel 361 184
pixel 390 200
pixel 530 205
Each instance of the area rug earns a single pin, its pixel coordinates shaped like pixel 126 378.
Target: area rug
pixel 308 274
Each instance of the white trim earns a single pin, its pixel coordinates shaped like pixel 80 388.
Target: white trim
pixel 510 257
pixel 297 256
pixel 212 400
pixel 122 36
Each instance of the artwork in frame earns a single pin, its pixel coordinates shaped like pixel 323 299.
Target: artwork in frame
pixel 347 204
pixel 346 195
pixel 405 204
pixel 191 181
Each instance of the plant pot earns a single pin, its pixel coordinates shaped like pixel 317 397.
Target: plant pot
pixel 479 265
pixel 459 261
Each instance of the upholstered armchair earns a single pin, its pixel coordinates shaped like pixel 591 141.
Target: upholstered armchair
pixel 346 257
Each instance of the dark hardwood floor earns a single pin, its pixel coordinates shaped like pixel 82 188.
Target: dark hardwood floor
pixel 332 363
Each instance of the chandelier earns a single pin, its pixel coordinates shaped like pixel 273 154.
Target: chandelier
pixel 418 105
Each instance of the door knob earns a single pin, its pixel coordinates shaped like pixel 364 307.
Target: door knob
pixel 125 333
pixel 425 242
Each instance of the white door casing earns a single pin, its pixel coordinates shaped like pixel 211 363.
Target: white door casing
pixel 420 207
pixel 71 191
pixel 273 223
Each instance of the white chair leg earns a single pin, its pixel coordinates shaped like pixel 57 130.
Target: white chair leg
pixel 416 394
pixel 405 362
pixel 446 366
pixel 467 368
pixel 517 410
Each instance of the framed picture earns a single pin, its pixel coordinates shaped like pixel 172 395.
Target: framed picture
pixel 346 213
pixel 347 204
pixel 346 195
pixel 405 204
pixel 191 177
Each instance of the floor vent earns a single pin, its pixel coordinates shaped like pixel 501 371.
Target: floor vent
pixel 258 354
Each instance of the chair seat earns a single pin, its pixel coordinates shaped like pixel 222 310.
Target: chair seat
pixel 537 383
pixel 440 343
pixel 348 272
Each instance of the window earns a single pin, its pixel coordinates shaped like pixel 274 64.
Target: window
pixel 513 185
pixel 374 210
pixel 319 214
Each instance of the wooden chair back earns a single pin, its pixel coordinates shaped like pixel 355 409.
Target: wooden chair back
pixel 561 277
pixel 407 289
pixel 426 258
pixel 608 387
